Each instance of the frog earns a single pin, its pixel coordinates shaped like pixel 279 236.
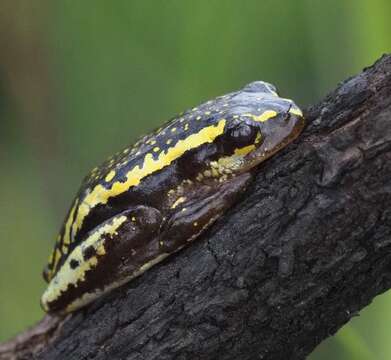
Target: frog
pixel 152 199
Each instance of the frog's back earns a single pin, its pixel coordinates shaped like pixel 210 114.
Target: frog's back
pixel 153 145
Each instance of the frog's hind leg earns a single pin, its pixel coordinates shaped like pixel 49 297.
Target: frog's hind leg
pixel 200 211
pixel 110 255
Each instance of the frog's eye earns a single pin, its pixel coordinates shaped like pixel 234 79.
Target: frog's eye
pixel 242 134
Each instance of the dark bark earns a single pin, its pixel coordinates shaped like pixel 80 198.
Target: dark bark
pixel 306 249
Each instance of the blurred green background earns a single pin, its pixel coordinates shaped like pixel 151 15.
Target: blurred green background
pixel 81 79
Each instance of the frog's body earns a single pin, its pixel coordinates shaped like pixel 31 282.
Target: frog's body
pixel 150 200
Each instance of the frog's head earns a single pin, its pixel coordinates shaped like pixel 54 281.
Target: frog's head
pixel 260 124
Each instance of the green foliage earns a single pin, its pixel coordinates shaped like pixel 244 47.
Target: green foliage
pixel 98 74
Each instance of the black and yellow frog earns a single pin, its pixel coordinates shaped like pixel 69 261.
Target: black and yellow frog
pixel 152 199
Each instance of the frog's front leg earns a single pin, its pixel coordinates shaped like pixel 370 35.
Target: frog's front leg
pixel 200 210
pixel 109 256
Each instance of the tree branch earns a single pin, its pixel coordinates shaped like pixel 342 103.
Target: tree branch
pixel 305 250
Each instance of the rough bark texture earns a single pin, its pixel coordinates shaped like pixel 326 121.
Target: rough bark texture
pixel 306 249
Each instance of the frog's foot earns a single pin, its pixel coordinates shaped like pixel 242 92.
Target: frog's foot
pixel 200 210
pixel 110 255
